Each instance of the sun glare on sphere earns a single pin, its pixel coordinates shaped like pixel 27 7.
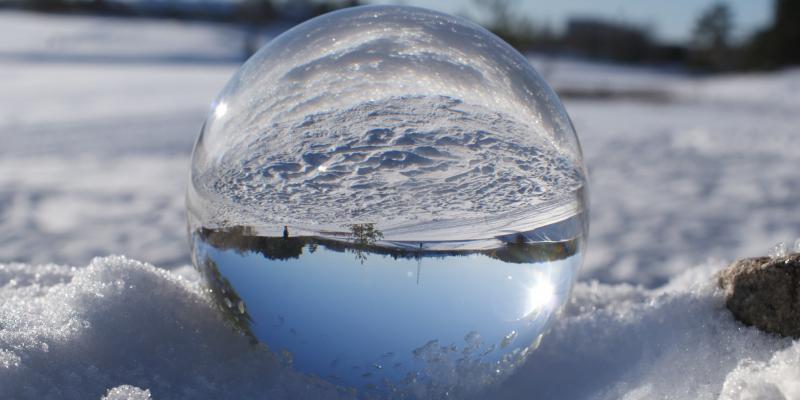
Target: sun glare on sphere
pixel 541 296
pixel 221 110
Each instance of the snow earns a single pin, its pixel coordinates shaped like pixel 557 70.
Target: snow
pixel 94 159
pixel 127 392
pixel 80 332
pixel 337 92
pixel 76 332
pixel 777 251
pixel 95 153
pixel 381 166
pixel 777 378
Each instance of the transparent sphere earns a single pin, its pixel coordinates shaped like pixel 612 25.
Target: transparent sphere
pixel 391 199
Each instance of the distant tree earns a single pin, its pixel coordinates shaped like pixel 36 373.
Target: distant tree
pixel 710 45
pixel 257 11
pixel 595 38
pixel 787 30
pixel 46 5
pixel 713 28
pixel 500 11
pixel 253 14
pixel 506 21
pixel 779 44
pixel 322 7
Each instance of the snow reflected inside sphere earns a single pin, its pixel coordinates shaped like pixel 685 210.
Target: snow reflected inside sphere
pixel 390 199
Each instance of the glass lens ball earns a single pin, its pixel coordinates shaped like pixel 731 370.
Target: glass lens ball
pixel 391 199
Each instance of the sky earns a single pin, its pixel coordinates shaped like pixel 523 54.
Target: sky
pixel 670 21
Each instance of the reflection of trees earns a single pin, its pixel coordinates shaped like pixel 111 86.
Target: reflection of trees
pixel 363 236
pixel 228 300
pixel 517 252
pixel 243 239
pixel 362 240
pixel 520 252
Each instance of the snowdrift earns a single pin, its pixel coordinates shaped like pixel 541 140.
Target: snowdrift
pixel 119 328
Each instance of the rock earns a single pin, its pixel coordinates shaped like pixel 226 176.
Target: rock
pixel 765 292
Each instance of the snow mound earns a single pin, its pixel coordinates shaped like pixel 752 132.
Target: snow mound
pixel 73 333
pixel 624 342
pixel 778 378
pixel 127 392
pixel 123 329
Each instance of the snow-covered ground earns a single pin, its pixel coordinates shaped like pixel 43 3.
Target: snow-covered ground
pixel 97 120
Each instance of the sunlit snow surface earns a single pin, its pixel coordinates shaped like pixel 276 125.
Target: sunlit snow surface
pixel 395 162
pixel 396 116
pixel 78 332
pixel 94 157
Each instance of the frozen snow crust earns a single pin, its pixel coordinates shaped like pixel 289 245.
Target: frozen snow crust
pixel 392 115
pixel 119 328
pixel 396 161
pixel 74 333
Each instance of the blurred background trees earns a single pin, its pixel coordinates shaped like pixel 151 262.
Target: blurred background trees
pixel 778 44
pixel 711 47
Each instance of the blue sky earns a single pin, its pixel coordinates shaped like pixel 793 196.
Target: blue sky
pixel 338 315
pixel 670 20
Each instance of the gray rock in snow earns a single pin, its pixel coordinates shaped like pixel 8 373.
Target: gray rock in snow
pixel 765 292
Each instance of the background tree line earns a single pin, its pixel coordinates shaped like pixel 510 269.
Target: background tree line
pixel 711 47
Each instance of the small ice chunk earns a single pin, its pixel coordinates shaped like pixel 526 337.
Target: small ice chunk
pixel 127 392
pixel 508 339
pixel 777 251
pixel 8 359
pixel 473 339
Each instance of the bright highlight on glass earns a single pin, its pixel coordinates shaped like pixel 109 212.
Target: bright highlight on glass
pixel 541 298
pixel 390 199
pixel 220 110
